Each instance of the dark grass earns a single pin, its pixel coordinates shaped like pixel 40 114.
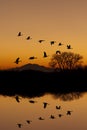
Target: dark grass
pixel 36 83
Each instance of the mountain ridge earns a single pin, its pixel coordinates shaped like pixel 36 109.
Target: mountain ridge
pixel 35 67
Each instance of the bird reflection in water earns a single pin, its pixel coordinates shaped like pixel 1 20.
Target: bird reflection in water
pixel 69 112
pixel 28 121
pixel 52 117
pixel 45 104
pixel 58 107
pixel 60 115
pixel 17 98
pixel 40 118
pixel 19 125
pixel 32 101
pixel 19 34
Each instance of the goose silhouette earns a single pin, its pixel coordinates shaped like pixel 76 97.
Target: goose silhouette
pixel 32 58
pixel 68 112
pixel 32 101
pixel 58 107
pixel 45 54
pixel 69 47
pixel 52 117
pixel 45 104
pixel 58 52
pixel 40 118
pixel 60 115
pixel 40 41
pixel 19 125
pixel 60 44
pixel 19 34
pixel 28 38
pixel 52 42
pixel 17 60
pixel 28 121
pixel 17 98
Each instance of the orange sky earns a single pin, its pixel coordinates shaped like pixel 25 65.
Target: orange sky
pixel 60 20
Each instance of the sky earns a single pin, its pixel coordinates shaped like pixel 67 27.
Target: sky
pixel 62 21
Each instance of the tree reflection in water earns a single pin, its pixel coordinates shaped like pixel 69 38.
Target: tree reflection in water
pixel 69 96
pixel 64 96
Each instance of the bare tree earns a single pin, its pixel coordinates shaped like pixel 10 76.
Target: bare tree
pixel 66 60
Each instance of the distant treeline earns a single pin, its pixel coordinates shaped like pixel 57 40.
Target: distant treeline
pixel 38 83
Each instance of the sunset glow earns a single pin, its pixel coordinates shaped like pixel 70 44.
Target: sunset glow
pixel 62 21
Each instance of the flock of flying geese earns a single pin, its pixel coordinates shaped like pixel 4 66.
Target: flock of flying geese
pixel 44 53
pixel 45 104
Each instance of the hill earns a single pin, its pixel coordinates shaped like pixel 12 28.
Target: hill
pixel 35 67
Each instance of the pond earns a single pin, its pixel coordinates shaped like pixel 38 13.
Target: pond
pixel 17 111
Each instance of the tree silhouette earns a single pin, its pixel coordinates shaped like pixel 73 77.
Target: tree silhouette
pixel 66 60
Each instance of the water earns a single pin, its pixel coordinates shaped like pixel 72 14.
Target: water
pixel 13 112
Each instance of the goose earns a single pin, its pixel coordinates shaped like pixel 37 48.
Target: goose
pixel 45 54
pixel 52 42
pixel 40 118
pixel 60 44
pixel 32 57
pixel 52 117
pixel 58 52
pixel 69 47
pixel 28 121
pixel 28 38
pixel 32 101
pixel 17 60
pixel 19 34
pixel 17 98
pixel 40 41
pixel 68 112
pixel 45 104
pixel 60 115
pixel 19 125
pixel 58 107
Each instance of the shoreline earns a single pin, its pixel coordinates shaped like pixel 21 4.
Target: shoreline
pixel 39 83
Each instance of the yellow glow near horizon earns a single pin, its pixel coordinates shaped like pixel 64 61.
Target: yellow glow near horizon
pixel 62 21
